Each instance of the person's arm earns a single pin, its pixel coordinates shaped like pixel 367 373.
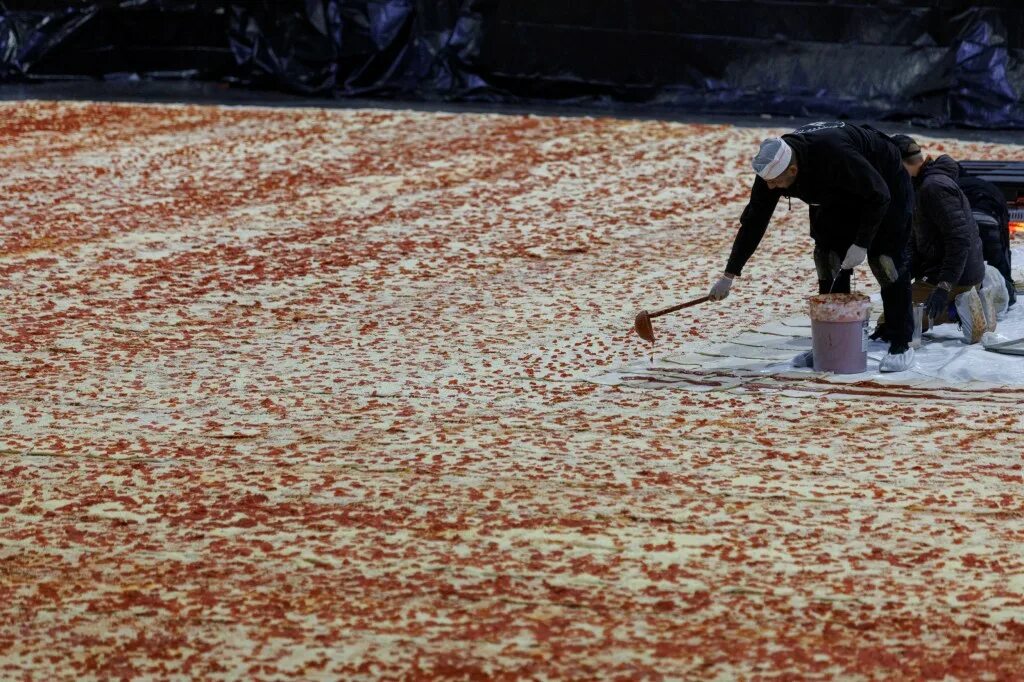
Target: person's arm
pixel 944 206
pixel 853 173
pixel 753 224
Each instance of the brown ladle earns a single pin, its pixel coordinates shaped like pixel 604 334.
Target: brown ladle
pixel 642 323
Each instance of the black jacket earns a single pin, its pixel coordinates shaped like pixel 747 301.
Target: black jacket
pixel 945 246
pixel 841 166
pixel 988 199
pixel 984 196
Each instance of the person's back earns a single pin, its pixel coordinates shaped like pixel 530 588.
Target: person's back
pixel 989 207
pixel 946 249
pixel 835 156
pixel 874 146
pixel 945 242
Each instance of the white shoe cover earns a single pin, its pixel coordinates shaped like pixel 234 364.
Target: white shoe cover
pixel 805 359
pixel 989 309
pixel 898 362
pixel 971 312
pixel 993 288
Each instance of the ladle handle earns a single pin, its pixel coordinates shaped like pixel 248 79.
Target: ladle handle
pixel 666 311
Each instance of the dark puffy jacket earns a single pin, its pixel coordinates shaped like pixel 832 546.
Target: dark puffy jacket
pixel 988 200
pixel 945 246
pixel 843 167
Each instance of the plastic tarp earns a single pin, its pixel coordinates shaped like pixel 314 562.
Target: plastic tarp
pixel 942 360
pixel 766 354
pixel 931 62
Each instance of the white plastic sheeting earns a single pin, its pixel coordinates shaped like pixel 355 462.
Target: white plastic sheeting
pixel 943 360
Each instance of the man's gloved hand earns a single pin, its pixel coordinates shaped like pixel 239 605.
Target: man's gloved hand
pixel 937 302
pixel 855 255
pixel 720 289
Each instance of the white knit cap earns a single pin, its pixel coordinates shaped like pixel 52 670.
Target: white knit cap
pixel 772 158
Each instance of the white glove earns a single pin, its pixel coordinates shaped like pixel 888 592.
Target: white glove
pixel 720 289
pixel 855 255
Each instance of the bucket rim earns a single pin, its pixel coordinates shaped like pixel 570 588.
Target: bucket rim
pixel 839 307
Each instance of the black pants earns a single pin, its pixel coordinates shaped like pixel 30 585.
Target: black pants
pixel 892 275
pixel 833 229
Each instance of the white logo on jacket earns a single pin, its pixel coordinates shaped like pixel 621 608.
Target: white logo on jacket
pixel 819 125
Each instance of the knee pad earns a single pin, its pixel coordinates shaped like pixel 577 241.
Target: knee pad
pixel 827 263
pixel 884 269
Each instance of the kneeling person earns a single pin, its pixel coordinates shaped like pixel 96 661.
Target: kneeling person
pixel 945 247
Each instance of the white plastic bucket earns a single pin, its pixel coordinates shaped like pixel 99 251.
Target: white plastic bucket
pixel 839 332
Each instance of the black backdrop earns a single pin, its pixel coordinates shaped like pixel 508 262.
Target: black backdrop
pixel 934 62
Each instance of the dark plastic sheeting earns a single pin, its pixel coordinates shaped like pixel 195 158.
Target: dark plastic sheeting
pixel 933 62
